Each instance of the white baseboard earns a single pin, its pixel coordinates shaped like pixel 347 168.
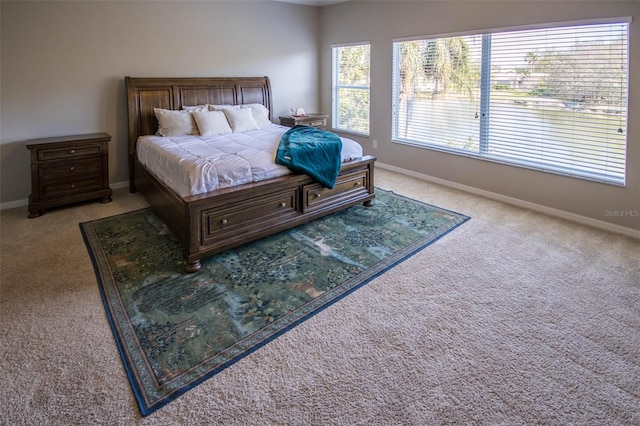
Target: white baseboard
pixel 634 233
pixel 119 185
pixel 25 202
pixel 488 194
pixel 14 204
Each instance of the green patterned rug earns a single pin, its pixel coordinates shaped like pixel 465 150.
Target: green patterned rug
pixel 175 330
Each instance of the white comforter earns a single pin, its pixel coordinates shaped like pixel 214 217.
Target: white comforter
pixel 192 165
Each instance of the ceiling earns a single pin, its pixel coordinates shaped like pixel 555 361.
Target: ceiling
pixel 314 2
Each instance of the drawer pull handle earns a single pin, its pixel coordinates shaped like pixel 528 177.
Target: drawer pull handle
pixel 318 195
pixel 224 221
pixel 72 168
pixel 283 204
pixel 356 184
pixel 73 151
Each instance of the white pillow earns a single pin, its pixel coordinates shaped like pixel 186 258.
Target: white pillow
pixel 212 122
pixel 241 119
pixel 221 107
pixel 175 123
pixel 260 114
pixel 195 108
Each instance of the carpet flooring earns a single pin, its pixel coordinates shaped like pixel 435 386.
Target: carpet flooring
pixel 516 318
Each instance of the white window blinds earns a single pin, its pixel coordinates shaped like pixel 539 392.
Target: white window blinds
pixel 553 99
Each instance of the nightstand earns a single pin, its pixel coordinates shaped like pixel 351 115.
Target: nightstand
pixel 68 169
pixel 315 120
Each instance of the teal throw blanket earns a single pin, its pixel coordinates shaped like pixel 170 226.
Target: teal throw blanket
pixel 309 150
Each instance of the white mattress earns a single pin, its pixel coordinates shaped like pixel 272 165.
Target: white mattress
pixel 192 165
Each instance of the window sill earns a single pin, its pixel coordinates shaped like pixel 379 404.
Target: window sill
pixel 543 169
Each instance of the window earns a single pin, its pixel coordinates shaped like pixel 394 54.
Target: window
pixel 553 99
pixel 350 88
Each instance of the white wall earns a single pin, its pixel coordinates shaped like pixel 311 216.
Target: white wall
pixel 381 21
pixel 63 64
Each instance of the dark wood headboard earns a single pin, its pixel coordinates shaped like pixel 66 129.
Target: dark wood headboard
pixel 144 94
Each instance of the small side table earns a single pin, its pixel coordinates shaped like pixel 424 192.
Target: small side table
pixel 68 169
pixel 315 120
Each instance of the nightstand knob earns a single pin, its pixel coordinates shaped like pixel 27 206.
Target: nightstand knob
pixel 318 195
pixel 356 184
pixel 73 151
pixel 72 168
pixel 283 204
pixel 73 186
pixel 224 221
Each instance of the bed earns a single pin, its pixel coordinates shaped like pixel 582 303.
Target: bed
pixel 217 220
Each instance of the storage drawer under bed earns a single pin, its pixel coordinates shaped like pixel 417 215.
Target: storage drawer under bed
pixel 218 225
pixel 316 196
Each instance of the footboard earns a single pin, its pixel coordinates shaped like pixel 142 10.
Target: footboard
pixel 210 223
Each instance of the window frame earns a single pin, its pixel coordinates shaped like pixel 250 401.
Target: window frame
pixel 335 88
pixel 481 153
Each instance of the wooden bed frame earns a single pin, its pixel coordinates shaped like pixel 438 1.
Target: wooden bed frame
pixel 210 223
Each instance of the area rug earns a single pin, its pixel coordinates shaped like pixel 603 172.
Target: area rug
pixel 174 330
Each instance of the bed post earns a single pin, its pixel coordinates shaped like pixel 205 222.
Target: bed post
pixel 132 122
pixel 192 266
pixel 267 85
pixel 370 185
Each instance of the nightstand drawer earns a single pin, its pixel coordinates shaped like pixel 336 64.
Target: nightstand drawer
pixel 314 120
pixel 67 169
pixel 316 123
pixel 69 152
pixel 60 187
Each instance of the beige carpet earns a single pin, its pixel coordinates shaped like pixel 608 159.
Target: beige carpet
pixel 513 318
